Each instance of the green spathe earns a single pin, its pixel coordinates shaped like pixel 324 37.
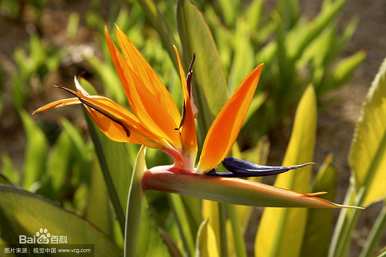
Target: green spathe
pixel 229 190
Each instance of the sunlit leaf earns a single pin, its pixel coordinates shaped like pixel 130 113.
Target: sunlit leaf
pixel 368 151
pixel 281 230
pixel 319 228
pixel 206 241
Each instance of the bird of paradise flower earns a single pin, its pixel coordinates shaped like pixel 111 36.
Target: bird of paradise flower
pixel 155 121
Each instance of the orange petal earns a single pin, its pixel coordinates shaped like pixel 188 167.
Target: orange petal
pixel 115 121
pixel 148 97
pixel 57 104
pixel 188 126
pixel 225 128
pixel 117 132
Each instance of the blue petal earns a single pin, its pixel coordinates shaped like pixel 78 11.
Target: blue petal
pixel 240 168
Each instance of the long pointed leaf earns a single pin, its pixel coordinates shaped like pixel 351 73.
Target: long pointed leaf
pixel 281 230
pixel 375 235
pixel 206 241
pixel 141 235
pixel 24 213
pixel 368 151
pixel 35 151
pixel 319 228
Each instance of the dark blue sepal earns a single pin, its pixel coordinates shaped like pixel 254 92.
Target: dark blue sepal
pixel 240 168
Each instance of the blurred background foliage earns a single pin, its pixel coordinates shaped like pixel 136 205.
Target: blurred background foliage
pixel 56 158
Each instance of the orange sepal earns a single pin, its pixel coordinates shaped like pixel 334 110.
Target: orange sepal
pixel 57 104
pixel 115 121
pixel 225 128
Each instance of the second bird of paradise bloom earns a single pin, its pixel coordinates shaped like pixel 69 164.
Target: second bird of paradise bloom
pixel 155 121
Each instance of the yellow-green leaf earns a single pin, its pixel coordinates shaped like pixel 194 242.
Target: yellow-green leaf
pixel 281 230
pixel 319 226
pixel 24 213
pixel 98 209
pixel 368 150
pixel 206 245
pixel 35 151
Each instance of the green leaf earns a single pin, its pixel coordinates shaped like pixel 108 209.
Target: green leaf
pixel 303 35
pixel 367 157
pixel 209 76
pixel 243 60
pixel 237 230
pixel 35 151
pixel 120 158
pixel 9 171
pixel 281 230
pixel 343 70
pixel 211 213
pixel 229 10
pixel 376 233
pixel 98 210
pixel 289 11
pixel 4 180
pixel 319 226
pixel 347 220
pixel 257 154
pixel 142 237
pixel 107 164
pixel 110 81
pixel 72 25
pixel 253 15
pixel 59 162
pixel 206 245
pixel 24 213
pixel 185 225
pixel 83 150
pixel 159 23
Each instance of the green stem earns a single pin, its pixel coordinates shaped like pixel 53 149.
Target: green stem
pixel 375 234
